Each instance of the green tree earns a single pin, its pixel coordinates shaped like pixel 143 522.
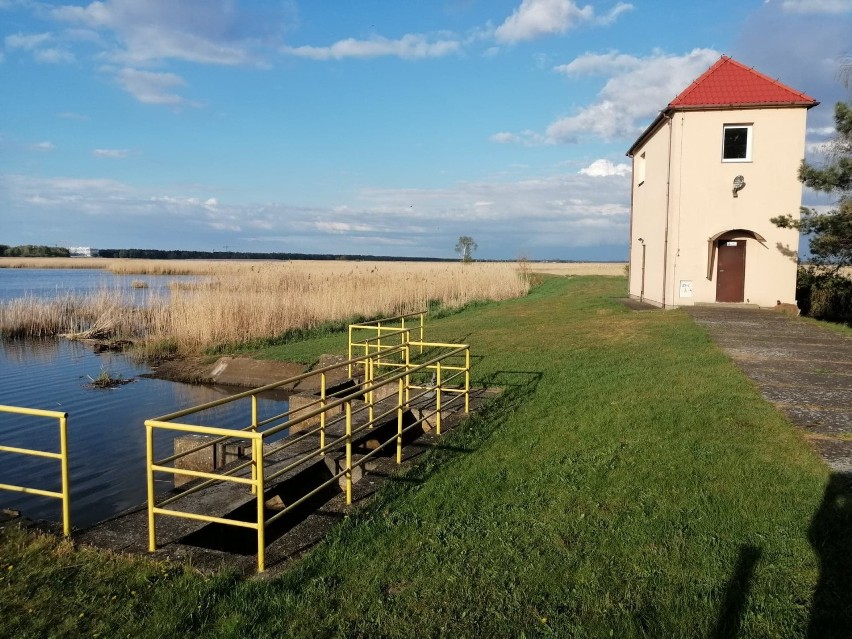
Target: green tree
pixel 465 248
pixel 831 232
pixel 824 287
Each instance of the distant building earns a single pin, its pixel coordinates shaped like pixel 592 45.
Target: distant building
pixel 82 251
pixel 708 173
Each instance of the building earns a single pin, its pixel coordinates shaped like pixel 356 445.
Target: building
pixel 82 251
pixel 708 173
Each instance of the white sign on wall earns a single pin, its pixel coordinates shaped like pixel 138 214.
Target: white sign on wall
pixel 686 288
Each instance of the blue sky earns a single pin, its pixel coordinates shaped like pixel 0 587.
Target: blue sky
pixel 365 127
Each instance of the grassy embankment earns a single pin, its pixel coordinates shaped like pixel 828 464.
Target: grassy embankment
pixel 629 483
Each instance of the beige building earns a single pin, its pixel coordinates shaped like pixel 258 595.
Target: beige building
pixel 708 173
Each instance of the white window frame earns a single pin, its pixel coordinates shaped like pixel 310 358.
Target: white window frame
pixel 749 136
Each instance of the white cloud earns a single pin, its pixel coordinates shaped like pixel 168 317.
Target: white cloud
pixel 35 43
pixel 343 227
pixel 27 42
pixel 818 148
pixel 44 146
pixel 155 30
pixel 821 130
pixel 600 64
pixel 543 217
pixel 54 56
pixel 636 90
pixel 116 154
pixel 70 115
pixel 817 6
pixel 410 46
pixel 151 87
pixel 504 137
pixel 537 18
pixel 526 138
pixel 612 15
pixel 604 167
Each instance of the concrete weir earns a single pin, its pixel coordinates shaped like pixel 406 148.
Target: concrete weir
pixel 210 546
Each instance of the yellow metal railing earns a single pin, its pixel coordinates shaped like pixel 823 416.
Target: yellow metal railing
pixel 380 328
pixel 361 400
pixel 62 456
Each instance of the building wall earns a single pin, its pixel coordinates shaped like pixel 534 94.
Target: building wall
pixel 701 203
pixel 648 219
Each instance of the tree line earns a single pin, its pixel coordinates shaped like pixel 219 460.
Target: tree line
pixel 30 250
pixel 33 250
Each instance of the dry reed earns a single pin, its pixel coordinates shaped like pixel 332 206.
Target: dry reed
pixel 240 301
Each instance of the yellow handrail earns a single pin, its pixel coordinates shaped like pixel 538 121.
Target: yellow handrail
pixel 62 456
pixel 400 377
pixel 377 326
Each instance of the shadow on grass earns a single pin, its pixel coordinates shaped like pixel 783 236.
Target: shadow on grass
pixel 730 616
pixel 830 535
pixel 517 387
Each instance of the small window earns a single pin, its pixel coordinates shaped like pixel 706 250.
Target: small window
pixel 736 143
pixel 640 170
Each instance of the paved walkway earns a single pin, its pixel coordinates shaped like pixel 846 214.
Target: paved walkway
pixel 801 367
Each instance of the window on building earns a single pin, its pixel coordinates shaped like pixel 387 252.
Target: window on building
pixel 640 170
pixel 736 143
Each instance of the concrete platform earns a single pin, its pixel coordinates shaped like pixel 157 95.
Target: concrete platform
pixel 211 546
pixel 803 368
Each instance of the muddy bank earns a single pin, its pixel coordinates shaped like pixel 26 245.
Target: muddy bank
pixel 242 372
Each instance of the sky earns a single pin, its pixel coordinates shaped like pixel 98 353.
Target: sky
pixel 366 127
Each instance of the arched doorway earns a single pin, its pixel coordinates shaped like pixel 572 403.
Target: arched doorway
pixel 728 249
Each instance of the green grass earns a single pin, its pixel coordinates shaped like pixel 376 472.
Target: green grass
pixel 630 482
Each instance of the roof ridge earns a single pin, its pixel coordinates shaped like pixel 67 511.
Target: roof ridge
pixel 705 82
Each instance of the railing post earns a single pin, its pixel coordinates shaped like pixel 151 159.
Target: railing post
pixel 254 430
pixel 467 380
pixel 322 414
pixel 350 352
pixel 257 454
pixel 66 495
pixel 399 414
pixel 379 335
pixel 422 334
pixel 407 354
pixel 438 399
pixel 369 396
pixel 149 450
pixel 348 453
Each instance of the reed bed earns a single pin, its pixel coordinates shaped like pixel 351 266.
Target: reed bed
pixel 236 302
pixel 105 313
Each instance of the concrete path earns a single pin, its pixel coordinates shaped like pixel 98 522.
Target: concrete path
pixel 801 367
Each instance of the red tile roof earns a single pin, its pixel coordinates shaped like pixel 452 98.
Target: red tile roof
pixel 729 83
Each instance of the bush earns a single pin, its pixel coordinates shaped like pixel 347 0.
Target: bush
pixel 824 296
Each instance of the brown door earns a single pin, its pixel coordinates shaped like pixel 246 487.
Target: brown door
pixel 730 271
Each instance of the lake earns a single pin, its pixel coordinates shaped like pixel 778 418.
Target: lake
pixel 106 431
pixel 47 283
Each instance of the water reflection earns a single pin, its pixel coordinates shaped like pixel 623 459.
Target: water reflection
pixel 106 432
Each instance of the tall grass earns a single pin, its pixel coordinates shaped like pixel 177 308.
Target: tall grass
pixel 235 302
pixel 108 312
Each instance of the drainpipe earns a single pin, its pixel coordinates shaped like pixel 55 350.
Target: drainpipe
pixel 642 290
pixel 668 192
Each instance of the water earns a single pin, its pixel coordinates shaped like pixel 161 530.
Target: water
pixel 48 283
pixel 106 431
